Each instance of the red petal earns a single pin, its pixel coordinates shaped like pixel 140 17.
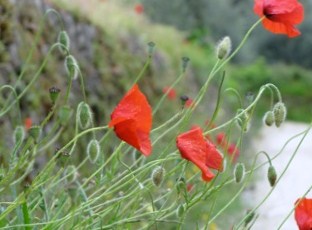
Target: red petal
pixel 303 214
pixel 280 28
pixel 132 120
pixel 214 158
pixel 193 147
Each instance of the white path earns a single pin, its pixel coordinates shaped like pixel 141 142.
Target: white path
pixel 295 182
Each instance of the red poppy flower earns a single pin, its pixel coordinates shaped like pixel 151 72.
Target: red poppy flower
pixel 281 16
pixel 132 120
pixel 193 147
pixel 189 103
pixel 233 151
pixel 27 123
pixel 303 214
pixel 221 140
pixel 138 8
pixel 171 93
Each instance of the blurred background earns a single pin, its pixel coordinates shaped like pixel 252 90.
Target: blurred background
pixel 109 39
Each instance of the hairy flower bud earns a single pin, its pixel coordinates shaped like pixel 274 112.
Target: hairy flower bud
pixel 19 134
pixel 65 114
pixel 35 132
pixel 280 112
pixel 70 173
pixel 64 40
pixel 84 115
pixel 158 175
pixel 268 118
pixel 180 210
pixel 272 176
pixel 239 172
pixel 93 150
pixel 224 48
pixel 243 120
pixel 71 67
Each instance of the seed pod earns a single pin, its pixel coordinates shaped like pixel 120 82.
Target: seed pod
pixel 84 115
pixel 280 112
pixel 224 48
pixel 54 93
pixel 93 150
pixel 272 176
pixel 158 175
pixel 268 118
pixel 239 172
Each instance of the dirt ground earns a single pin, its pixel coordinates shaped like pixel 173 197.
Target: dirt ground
pixel 293 184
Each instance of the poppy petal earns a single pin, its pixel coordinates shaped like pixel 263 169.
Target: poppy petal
pixel 303 214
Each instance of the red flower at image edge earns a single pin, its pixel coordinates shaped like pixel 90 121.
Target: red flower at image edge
pixel 303 214
pixel 281 16
pixel 132 120
pixel 193 147
pixel 138 8
pixel 171 93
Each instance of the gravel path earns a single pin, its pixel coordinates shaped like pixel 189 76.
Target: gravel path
pixel 294 183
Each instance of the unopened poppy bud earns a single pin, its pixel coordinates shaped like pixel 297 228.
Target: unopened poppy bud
pixel 180 185
pixel 54 93
pixel 64 114
pixel 243 120
pixel 250 216
pixel 63 39
pixel 224 48
pixel 158 175
pixel 239 172
pixel 272 176
pixel 19 134
pixel 71 67
pixel 180 210
pixel 185 61
pixel 268 118
pixel 35 132
pixel 280 112
pixel 151 47
pixel 84 115
pixel 93 150
pixel 70 173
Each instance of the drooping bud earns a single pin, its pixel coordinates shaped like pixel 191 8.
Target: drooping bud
pixel 84 115
pixel 180 210
pixel 71 67
pixel 280 112
pixel 268 118
pixel 224 48
pixel 19 134
pixel 185 61
pixel 70 173
pixel 35 132
pixel 180 185
pixel 272 176
pixel 158 175
pixel 93 150
pixel 54 93
pixel 64 40
pixel 243 120
pixel 239 172
pixel 65 114
pixel 151 47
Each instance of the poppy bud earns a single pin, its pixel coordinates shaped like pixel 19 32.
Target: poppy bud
pixel 70 173
pixel 224 48
pixel 272 176
pixel 54 93
pixel 93 150
pixel 243 120
pixel 71 67
pixel 158 175
pixel 268 118
pixel 35 132
pixel 250 216
pixel 64 40
pixel 84 115
pixel 185 61
pixel 239 172
pixel 19 134
pixel 64 114
pixel 151 46
pixel 279 111
pixel 180 210
pixel 180 185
